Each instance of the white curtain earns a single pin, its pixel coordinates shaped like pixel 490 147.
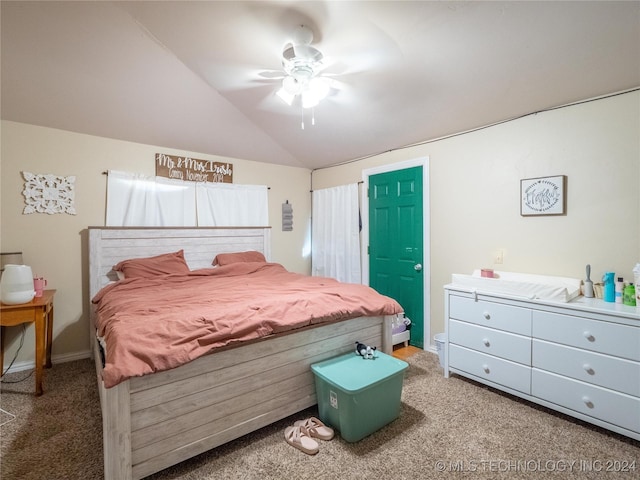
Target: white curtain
pixel 230 205
pixel 140 200
pixel 335 234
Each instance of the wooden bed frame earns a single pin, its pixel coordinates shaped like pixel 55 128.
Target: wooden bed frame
pixel 155 421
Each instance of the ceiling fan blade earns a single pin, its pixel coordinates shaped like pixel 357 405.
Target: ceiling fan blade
pixel 277 74
pixel 332 66
pixel 238 77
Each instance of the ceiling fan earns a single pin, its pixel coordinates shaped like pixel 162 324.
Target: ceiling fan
pixel 303 65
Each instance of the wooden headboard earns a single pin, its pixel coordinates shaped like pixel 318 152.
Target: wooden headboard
pixel 110 245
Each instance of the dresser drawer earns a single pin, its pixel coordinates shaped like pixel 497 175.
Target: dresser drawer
pixel 494 369
pixel 598 336
pixel 493 342
pixel 492 315
pixel 613 407
pixel 610 372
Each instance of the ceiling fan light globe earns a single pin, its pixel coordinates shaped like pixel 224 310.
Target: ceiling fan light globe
pixel 320 87
pixel 285 96
pixel 292 85
pixel 309 99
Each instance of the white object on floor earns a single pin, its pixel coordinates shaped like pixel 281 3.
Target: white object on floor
pixel 440 339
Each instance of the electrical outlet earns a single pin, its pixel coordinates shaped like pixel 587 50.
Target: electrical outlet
pixel 498 257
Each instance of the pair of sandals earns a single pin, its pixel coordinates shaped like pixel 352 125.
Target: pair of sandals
pixel 303 433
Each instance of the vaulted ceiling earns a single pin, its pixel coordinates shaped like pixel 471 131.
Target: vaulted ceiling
pixel 203 75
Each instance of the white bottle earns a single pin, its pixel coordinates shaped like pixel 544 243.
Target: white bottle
pixel 619 289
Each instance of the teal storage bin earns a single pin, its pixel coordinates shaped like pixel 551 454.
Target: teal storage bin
pixel 358 396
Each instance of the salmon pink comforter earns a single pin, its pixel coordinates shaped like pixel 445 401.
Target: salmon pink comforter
pixel 160 323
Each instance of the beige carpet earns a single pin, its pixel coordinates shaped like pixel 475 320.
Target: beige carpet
pixel 448 428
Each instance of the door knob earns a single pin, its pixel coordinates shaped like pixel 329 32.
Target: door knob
pixel 417 267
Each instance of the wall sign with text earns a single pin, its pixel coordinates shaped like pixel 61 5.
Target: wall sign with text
pixel 543 196
pixel 193 169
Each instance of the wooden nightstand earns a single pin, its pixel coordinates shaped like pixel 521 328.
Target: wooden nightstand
pixel 40 311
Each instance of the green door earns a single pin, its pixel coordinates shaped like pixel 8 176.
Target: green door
pixel 396 243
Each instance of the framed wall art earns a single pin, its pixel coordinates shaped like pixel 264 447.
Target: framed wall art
pixel 543 196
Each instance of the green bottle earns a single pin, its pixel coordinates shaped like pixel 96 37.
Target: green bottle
pixel 629 295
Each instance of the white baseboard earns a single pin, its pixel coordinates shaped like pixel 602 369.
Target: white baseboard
pixel 69 357
pixel 431 348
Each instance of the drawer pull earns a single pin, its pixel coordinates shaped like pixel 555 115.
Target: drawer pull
pixel 486 342
pixel 486 315
pixel 587 401
pixel 589 336
pixel 486 369
pixel 588 369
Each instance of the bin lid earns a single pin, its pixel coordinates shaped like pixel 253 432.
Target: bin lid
pixel 352 372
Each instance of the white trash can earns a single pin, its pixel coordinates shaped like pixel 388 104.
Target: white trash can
pixel 440 340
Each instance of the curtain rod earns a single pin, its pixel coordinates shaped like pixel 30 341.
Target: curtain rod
pixel 107 174
pixel 360 182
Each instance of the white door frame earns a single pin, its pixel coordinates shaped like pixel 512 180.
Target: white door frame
pixel 426 245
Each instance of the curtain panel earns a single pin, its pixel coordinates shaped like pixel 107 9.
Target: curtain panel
pixel 141 200
pixel 335 233
pixel 230 205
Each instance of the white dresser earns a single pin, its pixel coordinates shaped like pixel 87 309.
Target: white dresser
pixel 580 358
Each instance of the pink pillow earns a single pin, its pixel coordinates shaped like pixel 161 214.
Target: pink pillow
pixel 228 258
pixel 165 264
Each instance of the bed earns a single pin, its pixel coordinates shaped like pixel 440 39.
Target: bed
pixel 156 420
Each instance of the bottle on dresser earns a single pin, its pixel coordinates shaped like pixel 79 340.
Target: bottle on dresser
pixel 629 295
pixel 609 287
pixel 619 289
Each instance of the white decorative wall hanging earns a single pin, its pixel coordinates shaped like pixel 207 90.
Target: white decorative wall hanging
pixel 48 194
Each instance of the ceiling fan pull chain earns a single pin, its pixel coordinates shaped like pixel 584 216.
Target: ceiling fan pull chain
pixel 313 116
pixel 302 117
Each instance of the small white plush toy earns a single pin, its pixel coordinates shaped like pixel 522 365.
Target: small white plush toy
pixel 365 351
pixel 371 352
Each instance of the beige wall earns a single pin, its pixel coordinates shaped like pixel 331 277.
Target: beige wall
pixel 475 185
pixel 55 245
